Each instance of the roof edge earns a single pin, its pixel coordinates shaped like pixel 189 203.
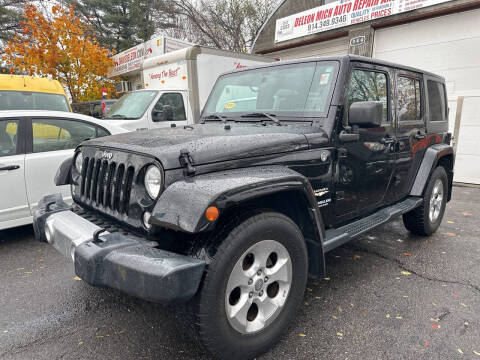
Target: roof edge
pixel 265 22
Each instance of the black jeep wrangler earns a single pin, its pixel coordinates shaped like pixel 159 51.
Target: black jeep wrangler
pixel 229 217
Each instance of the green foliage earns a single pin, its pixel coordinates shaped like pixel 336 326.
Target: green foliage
pixel 121 24
pixel 10 15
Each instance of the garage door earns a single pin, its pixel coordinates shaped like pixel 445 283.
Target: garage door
pixel 449 46
pixel 326 48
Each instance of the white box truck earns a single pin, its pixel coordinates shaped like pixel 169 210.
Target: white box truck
pixel 176 87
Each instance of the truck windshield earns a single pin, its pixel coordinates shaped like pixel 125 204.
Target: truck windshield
pixel 291 90
pixel 27 100
pixel 131 106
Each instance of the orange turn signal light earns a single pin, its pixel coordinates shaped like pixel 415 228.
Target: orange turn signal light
pixel 211 213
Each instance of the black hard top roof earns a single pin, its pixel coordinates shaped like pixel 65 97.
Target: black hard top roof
pixel 347 58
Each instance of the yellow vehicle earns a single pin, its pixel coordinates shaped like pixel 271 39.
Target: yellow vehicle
pixel 21 92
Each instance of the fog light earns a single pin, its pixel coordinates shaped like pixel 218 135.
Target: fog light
pixel 146 219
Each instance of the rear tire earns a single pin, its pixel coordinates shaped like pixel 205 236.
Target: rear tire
pixel 425 219
pixel 252 287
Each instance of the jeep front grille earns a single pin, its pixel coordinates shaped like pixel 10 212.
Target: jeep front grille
pixel 106 184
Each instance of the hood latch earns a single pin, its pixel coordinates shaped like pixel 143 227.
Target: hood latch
pixel 186 162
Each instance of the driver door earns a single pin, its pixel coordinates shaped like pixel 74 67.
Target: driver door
pixel 365 166
pixel 170 108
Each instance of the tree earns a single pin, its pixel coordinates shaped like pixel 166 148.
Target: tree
pixel 60 47
pixel 121 24
pixel 10 15
pixel 225 24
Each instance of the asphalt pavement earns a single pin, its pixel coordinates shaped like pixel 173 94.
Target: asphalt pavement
pixel 388 295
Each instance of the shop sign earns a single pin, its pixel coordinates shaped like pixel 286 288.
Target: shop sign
pixel 343 13
pixel 357 41
pixel 132 59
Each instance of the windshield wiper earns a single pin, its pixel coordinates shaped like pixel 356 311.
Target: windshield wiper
pixel 117 116
pixel 263 115
pixel 217 117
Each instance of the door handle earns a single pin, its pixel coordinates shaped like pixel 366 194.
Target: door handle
pixel 420 135
pixel 9 167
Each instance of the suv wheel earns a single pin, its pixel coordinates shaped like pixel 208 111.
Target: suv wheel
pixel 252 288
pixel 426 219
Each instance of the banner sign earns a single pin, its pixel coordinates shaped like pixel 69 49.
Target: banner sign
pixel 132 59
pixel 343 13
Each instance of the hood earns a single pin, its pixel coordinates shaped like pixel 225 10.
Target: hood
pixel 210 143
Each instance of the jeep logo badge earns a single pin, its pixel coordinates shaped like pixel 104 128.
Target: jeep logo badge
pixel 106 155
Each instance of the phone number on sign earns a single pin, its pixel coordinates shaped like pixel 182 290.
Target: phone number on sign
pixel 327 23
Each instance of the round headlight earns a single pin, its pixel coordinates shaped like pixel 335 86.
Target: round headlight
pixel 153 181
pixel 79 162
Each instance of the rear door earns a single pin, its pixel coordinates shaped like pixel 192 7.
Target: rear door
pixel 14 208
pixel 412 140
pixel 50 142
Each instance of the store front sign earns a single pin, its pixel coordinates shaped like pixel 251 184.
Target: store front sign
pixel 343 13
pixel 132 59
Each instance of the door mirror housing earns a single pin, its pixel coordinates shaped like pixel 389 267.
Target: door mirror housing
pixel 366 114
pixel 345 137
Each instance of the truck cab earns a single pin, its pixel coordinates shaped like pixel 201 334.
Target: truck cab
pixel 176 86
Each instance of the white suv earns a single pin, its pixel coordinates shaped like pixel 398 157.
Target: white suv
pixel 33 144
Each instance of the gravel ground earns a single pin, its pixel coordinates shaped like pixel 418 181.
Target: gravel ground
pixel 389 295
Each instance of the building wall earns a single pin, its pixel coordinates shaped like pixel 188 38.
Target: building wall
pixel 265 42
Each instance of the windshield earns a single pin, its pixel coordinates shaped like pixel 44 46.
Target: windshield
pixel 132 105
pixel 27 100
pixel 296 90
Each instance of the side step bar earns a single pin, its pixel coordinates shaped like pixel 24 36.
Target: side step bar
pixel 342 235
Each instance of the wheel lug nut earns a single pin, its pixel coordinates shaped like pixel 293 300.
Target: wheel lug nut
pixel 266 278
pixel 259 272
pixel 260 293
pixel 250 295
pixel 250 282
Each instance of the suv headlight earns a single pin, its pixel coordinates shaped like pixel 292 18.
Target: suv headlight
pixel 153 181
pixel 79 162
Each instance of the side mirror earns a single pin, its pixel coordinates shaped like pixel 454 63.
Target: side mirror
pixel 345 137
pixel 166 114
pixel 366 114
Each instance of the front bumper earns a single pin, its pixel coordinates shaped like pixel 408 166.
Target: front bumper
pixel 115 260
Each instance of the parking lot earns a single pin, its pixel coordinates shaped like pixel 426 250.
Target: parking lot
pixel 388 295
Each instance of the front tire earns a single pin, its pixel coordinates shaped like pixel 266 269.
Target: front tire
pixel 252 288
pixel 426 219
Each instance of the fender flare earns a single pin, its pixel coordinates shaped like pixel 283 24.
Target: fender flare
pixel 182 206
pixel 429 162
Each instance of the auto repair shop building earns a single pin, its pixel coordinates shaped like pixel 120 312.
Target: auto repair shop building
pixel 441 36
